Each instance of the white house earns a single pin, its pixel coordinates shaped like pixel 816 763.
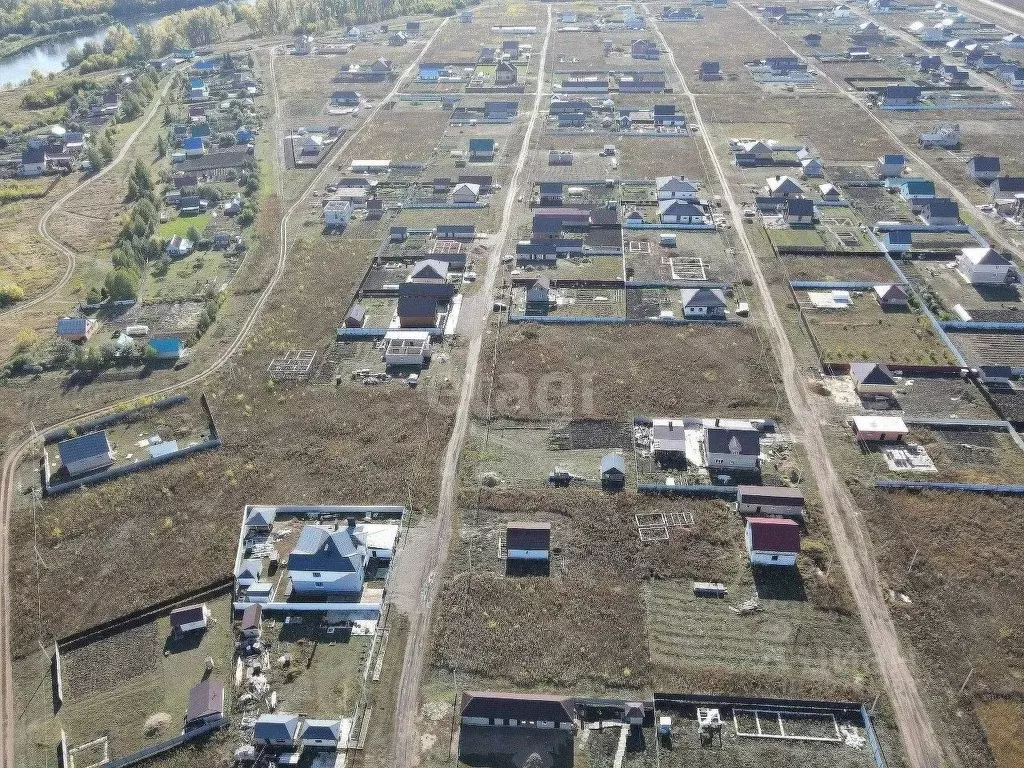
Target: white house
pixel 321 734
pixel 328 561
pixel 429 271
pixel 982 168
pixel 769 501
pixel 466 193
pixel 872 379
pixel 983 266
pixel 337 213
pixel 890 166
pixel 703 303
pixel 842 11
pixel 811 168
pixel 178 246
pixel 279 729
pixel 676 188
pixel 528 541
pixel 783 186
pixel 680 212
pixel 773 540
pixel 732 447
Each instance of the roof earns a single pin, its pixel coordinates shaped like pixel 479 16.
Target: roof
pixel 875 374
pixel 417 306
pixel 323 549
pixel 613 462
pixel 322 730
pixel 800 207
pixel 188 614
pixel 744 442
pixel 828 190
pixel 984 163
pixel 252 616
pixel 529 707
pixel 437 291
pixel 679 208
pixel 774 494
pixel 918 187
pixel 893 160
pixel 481 145
pixel 985 256
pixel 901 92
pixel 891 293
pixel 675 184
pixel 774 534
pixel 520 535
pixel 1009 183
pixel 430 269
pixel 84 447
pixel 206 698
pixel 784 184
pixel 356 312
pixel 33 156
pixel 72 325
pixel 551 187
pixel 194 142
pixel 942 206
pixel 276 727
pixel 703 297
pixel 710 67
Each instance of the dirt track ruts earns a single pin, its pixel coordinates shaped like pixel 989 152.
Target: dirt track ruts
pixel 852 543
pixel 408 700
pixel 16 454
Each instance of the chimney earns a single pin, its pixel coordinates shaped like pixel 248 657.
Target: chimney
pixel 716 422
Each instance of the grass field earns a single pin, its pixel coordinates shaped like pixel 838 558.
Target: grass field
pixel 963 610
pixel 619 372
pixel 180 225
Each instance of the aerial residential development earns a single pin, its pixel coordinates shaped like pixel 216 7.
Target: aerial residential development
pixel 512 385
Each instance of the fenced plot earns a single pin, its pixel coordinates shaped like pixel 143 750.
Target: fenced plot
pixel 655 526
pixel 639 246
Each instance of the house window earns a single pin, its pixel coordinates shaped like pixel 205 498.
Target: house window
pixel 318 584
pixel 316 574
pixel 774 558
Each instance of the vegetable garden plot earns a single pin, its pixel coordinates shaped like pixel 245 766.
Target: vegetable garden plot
pixel 800 726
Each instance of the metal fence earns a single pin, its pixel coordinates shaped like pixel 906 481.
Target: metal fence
pixel 169 744
pixel 549 320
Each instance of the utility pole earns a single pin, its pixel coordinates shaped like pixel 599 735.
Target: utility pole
pixel 913 560
pixel 966 680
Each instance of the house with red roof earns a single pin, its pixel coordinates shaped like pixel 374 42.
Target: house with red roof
pixel 773 540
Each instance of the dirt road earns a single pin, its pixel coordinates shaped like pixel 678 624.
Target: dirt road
pixel 853 547
pixel 407 747
pixel 16 454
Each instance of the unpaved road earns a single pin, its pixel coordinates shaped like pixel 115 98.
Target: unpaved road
pixel 16 453
pixel 407 744
pixel 853 546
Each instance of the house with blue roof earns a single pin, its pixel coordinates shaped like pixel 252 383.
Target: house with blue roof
pixel 206 66
pixel 200 130
pixel 244 136
pixel 183 53
pixel 86 453
pixel 327 561
pixel 198 90
pixel 279 729
pixel 898 240
pixel 170 348
pixel 319 734
pixel 916 192
pixel 430 73
pixel 76 328
pixel 481 150
pixel 193 147
pixel 890 166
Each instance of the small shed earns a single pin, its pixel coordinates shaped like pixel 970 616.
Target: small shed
pixel 872 379
pixel 613 471
pixel 528 541
pixel 773 541
pixel 891 296
pixel 321 734
pixel 879 429
pixel 769 501
pixel 205 703
pixel 189 618
pixel 252 618
pixel 356 316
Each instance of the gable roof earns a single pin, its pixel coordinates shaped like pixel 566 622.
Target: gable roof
pixel 252 616
pixel 942 206
pixel 417 306
pixel 529 707
pixel 321 730
pixel 774 534
pixel 205 699
pixel 985 256
pixel 481 145
pixel 784 184
pixel 84 447
pixel 703 297
pixel 276 727
pixel 261 516
pixel 187 615
pixel 918 187
pixel 828 190
pixel 875 374
pixel 799 207
pixel 678 208
pixel 613 462
pixel 72 325
pixel 321 549
pixel 520 535
pixel 984 163
pixel 745 442
pixel 675 184
pixel 893 159
pixel 891 293
pixel 429 269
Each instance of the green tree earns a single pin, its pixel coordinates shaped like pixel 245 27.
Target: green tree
pixel 161 146
pixel 10 293
pixel 122 284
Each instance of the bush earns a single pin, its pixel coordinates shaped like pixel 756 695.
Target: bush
pixel 10 293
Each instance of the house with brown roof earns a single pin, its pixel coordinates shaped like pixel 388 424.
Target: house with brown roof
pixel 517 710
pixel 769 501
pixel 205 704
pixel 773 540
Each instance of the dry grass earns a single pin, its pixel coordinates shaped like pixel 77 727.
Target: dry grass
pixel 1003 721
pixel 966 609
pixel 622 372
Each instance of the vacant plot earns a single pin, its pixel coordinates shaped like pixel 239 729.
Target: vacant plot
pixel 964 606
pixel 622 371
pixel 401 137
pixel 866 332
pixel 1003 721
pixel 838 269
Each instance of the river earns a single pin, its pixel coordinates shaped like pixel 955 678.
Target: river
pixel 45 58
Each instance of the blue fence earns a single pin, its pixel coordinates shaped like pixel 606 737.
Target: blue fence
pixel 938 486
pixel 854 285
pixel 728 491
pixel 942 107
pixel 977 326
pixel 869 730
pixel 692 227
pixel 444 205
pixel 549 320
pixel 676 285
